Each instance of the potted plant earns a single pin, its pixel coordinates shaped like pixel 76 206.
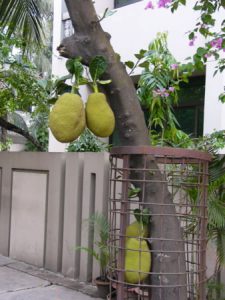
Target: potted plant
pixel 100 252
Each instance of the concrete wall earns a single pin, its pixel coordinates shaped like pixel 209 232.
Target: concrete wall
pixel 44 199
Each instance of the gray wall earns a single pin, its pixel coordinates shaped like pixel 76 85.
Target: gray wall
pixel 44 198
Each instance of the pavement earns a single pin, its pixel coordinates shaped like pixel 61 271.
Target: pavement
pixel 21 281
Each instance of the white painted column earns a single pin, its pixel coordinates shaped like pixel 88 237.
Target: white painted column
pixel 214 110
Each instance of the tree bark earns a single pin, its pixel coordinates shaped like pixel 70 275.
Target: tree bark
pixel 11 127
pixel 88 41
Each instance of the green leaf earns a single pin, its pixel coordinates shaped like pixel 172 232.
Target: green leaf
pixel 207 19
pixel 52 101
pixel 129 64
pixel 78 70
pixel 183 2
pixel 222 98
pixel 63 79
pixel 144 65
pixel 83 81
pixel 191 35
pixel 70 65
pixel 141 54
pixel 75 67
pixel 142 216
pixel 133 192
pixel 201 51
pixel 97 67
pixel 62 88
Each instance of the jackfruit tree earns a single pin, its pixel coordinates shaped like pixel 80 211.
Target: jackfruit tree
pixel 89 41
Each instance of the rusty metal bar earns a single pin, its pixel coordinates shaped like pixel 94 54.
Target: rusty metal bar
pixel 123 224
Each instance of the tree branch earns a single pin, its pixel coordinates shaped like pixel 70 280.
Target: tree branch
pixel 11 127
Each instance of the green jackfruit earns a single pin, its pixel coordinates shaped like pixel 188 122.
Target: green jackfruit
pixel 100 117
pixel 136 229
pixel 137 260
pixel 67 118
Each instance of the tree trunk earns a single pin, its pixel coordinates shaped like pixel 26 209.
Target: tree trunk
pixel 88 41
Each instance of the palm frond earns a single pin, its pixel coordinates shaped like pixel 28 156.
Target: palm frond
pixel 217 168
pixel 101 226
pixel 22 17
pixel 216 211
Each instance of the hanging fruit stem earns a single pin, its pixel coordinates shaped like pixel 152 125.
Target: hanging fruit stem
pixel 95 87
pixel 75 89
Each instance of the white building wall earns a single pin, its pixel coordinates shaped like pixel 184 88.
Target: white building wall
pixel 132 28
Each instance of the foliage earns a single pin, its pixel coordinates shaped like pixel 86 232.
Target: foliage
pixel 209 26
pixel 211 29
pixel 142 216
pixel 23 19
pixel 214 289
pixel 20 88
pixel 158 87
pixel 99 225
pixel 4 146
pixel 39 130
pixel 87 142
pixel 216 193
pixel 76 69
pixel 216 206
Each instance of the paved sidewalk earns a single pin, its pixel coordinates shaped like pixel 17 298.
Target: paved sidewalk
pixel 20 281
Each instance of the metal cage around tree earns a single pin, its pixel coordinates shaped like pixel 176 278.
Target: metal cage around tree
pixel 158 223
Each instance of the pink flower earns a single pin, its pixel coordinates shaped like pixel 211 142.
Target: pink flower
pixel 149 5
pixel 161 92
pixel 171 89
pixel 163 3
pixel 192 41
pixel 174 66
pixel 217 43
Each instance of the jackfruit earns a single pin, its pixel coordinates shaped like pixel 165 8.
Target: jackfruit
pixel 137 260
pixel 100 117
pixel 136 229
pixel 67 118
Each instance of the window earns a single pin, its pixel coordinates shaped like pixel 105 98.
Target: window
pixel 120 3
pixel 190 110
pixel 67 28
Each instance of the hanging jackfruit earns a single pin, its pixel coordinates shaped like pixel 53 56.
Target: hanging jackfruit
pixel 137 260
pixel 67 118
pixel 137 229
pixel 100 117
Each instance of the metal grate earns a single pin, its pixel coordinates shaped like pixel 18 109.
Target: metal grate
pixel 163 255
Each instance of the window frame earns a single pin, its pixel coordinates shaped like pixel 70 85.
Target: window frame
pixel 116 5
